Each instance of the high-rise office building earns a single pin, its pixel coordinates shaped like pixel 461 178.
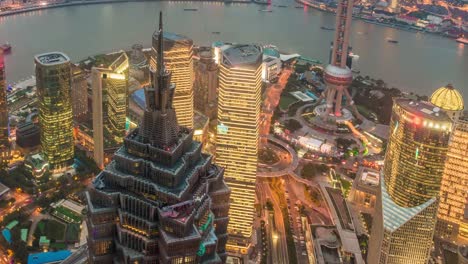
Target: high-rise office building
pixel 405 216
pixel 54 79
pixel 452 222
pixel 79 93
pixel 4 129
pixel 110 104
pixel 448 99
pixel 240 83
pixel 206 84
pixel 178 53
pixel 160 200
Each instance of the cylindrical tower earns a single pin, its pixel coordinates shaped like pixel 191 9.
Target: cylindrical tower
pixel 54 80
pixel 416 152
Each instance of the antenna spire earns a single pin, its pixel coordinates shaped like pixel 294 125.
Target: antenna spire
pixel 160 46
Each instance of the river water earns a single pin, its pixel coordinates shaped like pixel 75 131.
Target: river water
pixel 419 63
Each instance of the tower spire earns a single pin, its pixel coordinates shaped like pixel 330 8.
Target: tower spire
pixel 160 63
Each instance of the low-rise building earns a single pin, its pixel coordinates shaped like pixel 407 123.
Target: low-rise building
pixel 365 188
pixel 28 136
pixel 271 67
pixel 350 251
pixel 37 164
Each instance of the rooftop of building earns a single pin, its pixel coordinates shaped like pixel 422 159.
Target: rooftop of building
pixel 26 126
pixel 271 52
pixel 37 160
pixel 51 58
pixel 242 55
pixel 447 98
pixel 173 37
pixel 48 257
pixel 369 176
pixel 422 109
pixel 3 189
pixel 341 208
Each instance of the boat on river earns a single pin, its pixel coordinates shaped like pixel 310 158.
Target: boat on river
pixel 6 48
pixel 462 40
pixel 327 28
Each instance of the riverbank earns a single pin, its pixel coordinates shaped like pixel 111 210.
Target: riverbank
pixel 366 19
pixel 96 2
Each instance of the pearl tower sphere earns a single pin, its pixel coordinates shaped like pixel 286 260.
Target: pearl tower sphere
pixel 337 75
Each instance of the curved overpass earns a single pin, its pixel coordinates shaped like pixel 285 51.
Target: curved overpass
pixel 290 169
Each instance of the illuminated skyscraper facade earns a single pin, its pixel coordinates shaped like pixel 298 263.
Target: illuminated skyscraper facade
pixel 452 222
pixel 405 216
pixel 240 83
pixel 4 141
pixel 160 200
pixel 54 79
pixel 110 103
pixel 79 93
pixel 178 53
pixel 206 84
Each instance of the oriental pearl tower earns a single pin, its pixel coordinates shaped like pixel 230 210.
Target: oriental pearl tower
pixel 337 75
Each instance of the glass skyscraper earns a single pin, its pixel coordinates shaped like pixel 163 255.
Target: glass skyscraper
pixel 239 100
pixel 110 104
pixel 405 217
pixel 452 224
pixel 178 53
pixel 54 79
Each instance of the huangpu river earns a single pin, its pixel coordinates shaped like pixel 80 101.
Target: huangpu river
pixel 419 63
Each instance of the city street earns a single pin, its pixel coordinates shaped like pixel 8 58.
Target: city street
pixel 22 199
pixel 272 98
pixel 278 250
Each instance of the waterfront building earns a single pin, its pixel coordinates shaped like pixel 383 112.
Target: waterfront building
pixel 54 80
pixel 160 200
pixel 178 56
pixel 4 123
pixel 394 6
pixel 405 216
pixel 452 221
pixel 206 83
pixel 337 75
pixel 79 93
pixel 271 64
pixel 110 104
pixel 239 101
pixel 450 100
